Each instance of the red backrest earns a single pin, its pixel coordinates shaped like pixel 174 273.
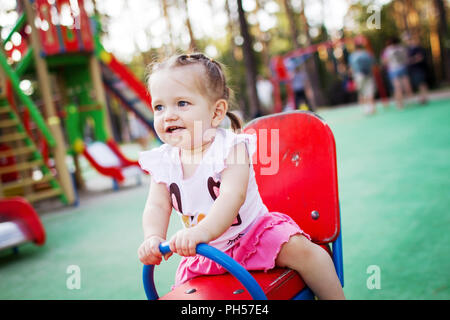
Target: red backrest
pixel 295 167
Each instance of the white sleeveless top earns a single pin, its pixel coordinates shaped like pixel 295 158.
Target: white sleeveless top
pixel 193 197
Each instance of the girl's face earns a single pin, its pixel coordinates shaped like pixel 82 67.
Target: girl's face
pixel 183 115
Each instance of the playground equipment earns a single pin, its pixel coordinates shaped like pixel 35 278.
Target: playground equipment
pixel 19 223
pixel 20 157
pixel 57 44
pixel 121 83
pixel 303 184
pixel 107 159
pixel 283 66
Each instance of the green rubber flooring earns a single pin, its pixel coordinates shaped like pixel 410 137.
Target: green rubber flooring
pixel 394 184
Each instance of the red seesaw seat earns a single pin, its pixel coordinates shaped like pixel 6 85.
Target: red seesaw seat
pixel 295 167
pixel 277 284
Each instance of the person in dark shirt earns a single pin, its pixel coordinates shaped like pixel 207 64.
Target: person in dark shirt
pixel 302 88
pixel 418 67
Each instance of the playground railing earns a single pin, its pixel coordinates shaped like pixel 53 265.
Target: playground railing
pixel 28 103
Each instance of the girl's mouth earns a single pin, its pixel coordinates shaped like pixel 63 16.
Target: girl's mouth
pixel 174 129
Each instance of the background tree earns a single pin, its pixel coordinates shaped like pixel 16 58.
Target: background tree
pixel 444 38
pixel 312 63
pixel 254 108
pixel 170 47
pixel 192 42
pixel 292 19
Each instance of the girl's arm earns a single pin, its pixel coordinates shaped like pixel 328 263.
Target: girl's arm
pixel 155 221
pixel 233 190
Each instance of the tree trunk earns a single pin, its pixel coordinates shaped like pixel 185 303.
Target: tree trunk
pixel 192 44
pixel 264 38
pixel 250 70
pixel 443 37
pixel 165 8
pixel 230 29
pixel 292 23
pixel 311 64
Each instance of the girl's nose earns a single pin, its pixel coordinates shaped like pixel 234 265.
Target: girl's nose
pixel 170 114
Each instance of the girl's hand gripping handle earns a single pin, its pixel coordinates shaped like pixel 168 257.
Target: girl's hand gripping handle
pixel 211 253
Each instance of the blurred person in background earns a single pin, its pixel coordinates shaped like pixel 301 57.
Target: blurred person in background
pixel 395 58
pixel 418 67
pixel 264 89
pixel 361 63
pixel 302 88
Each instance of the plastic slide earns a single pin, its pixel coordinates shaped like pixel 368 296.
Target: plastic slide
pixel 107 159
pixel 129 78
pixel 19 223
pixel 121 82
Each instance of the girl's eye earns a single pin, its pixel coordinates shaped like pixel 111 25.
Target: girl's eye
pixel 183 103
pixel 158 107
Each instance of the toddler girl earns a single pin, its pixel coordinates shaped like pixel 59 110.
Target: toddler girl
pixel 205 173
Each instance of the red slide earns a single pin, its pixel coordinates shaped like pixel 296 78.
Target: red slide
pixel 121 82
pixel 19 223
pixel 107 159
pixel 130 79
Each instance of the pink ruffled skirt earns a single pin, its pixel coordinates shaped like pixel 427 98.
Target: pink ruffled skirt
pixel 257 250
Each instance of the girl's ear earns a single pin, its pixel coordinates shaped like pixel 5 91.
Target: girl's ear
pixel 219 112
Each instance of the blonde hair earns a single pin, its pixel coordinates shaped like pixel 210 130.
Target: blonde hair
pixel 214 81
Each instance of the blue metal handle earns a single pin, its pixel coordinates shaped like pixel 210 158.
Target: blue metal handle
pixel 215 255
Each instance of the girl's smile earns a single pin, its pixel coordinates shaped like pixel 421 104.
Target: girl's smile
pixel 174 129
